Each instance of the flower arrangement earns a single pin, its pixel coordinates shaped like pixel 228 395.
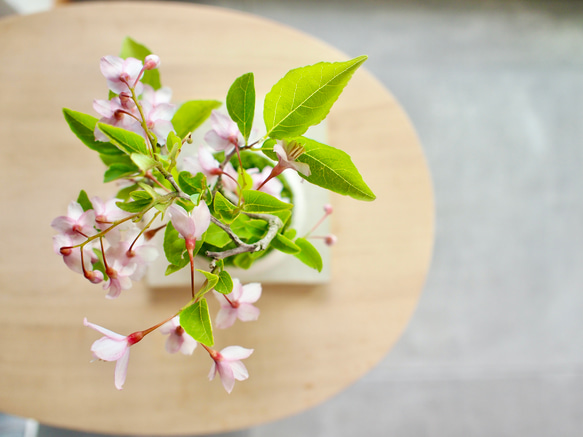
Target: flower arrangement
pixel 228 202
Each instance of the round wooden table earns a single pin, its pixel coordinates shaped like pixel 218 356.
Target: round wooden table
pixel 310 342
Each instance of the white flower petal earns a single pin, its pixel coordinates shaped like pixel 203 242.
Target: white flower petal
pixel 232 353
pixel 251 293
pixel 121 369
pixel 247 312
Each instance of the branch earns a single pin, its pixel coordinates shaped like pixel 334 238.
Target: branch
pixel 274 224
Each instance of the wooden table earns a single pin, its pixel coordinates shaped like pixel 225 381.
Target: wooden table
pixel 310 342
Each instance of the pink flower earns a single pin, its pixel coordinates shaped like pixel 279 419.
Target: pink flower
pixel 115 113
pixel 114 347
pixel 178 339
pixel 158 118
pixel 72 257
pixel 227 363
pixel 224 134
pixel 77 224
pixel 142 252
pixel 204 162
pixel 106 212
pixel 238 304
pixel 151 61
pixel 119 278
pixel 190 226
pixel 288 152
pixel 156 97
pixel 272 186
pixel 122 74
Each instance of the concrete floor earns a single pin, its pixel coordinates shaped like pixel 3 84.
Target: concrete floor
pixel 495 91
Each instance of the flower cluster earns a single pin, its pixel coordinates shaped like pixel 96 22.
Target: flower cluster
pixel 228 202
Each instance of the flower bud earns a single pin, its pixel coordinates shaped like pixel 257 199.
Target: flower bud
pixel 151 62
pixel 328 209
pixel 330 240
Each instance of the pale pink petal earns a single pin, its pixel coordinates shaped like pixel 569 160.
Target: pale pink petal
pixel 239 371
pixel 121 369
pixel 169 326
pixel 227 376
pixel 63 224
pixel 181 221
pixel 173 343
pixel 223 125
pixel 232 353
pixel 103 108
pixel 247 312
pixel 163 111
pixel 237 291
pixel 111 66
pixel 107 349
pixel 226 317
pixel 202 218
pixel 213 371
pixel 217 142
pixel 188 344
pixel 280 151
pixel 251 293
pixel 74 210
pixel 103 330
pixel 301 167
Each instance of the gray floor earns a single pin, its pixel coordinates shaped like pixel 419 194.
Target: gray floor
pixel 495 90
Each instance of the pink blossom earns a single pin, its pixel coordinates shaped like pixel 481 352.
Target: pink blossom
pixel 107 212
pixel 72 257
pixel 238 304
pixel 190 226
pixel 330 239
pixel 119 278
pixel 288 152
pixel 132 250
pixel 116 113
pixel 224 134
pixel 204 162
pixel 114 347
pixel 156 97
pixel 151 61
pixel 273 186
pixel 178 339
pixel 122 74
pixel 77 224
pixel 159 119
pixel 227 363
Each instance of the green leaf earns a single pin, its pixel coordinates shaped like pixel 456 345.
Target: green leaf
pixel 244 180
pixel 133 49
pixel 285 245
pixel 143 162
pixel 224 208
pixel 83 126
pixel 196 321
pixel 249 229
pixel 330 168
pixel 215 236
pixel 211 281
pixel 260 202
pixel 175 247
pixel 191 115
pixel 174 145
pixel 225 284
pixel 142 201
pixel 192 184
pixel 84 201
pixel 304 96
pixel 243 260
pixel 241 103
pixel 126 141
pixel 118 171
pixel 309 255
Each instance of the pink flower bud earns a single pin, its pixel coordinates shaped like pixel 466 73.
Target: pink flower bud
pixel 330 240
pixel 151 62
pixel 126 101
pixel 328 209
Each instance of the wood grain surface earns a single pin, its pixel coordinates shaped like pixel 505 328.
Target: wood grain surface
pixel 310 342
